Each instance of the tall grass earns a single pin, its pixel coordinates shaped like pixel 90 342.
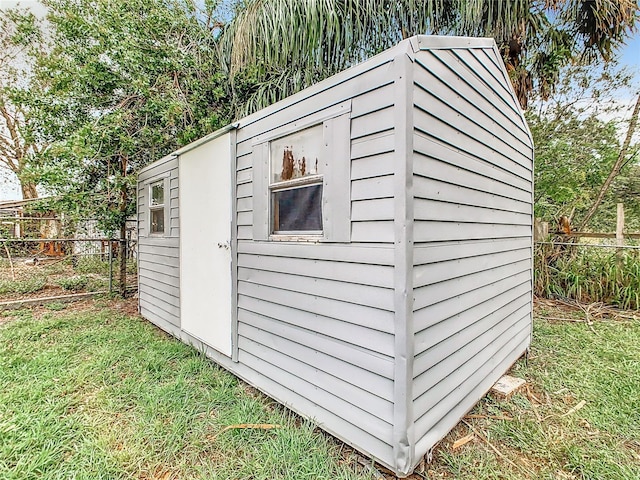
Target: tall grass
pixel 588 274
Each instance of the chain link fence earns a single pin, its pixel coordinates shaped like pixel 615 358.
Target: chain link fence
pixel 55 267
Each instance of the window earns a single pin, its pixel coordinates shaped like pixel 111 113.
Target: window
pixel 156 207
pixel 301 179
pixel 296 182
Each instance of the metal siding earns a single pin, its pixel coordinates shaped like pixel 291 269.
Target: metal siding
pixel 337 197
pixel 363 399
pixel 353 314
pixel 459 369
pixel 484 114
pixel 472 232
pixel 372 166
pixel 341 349
pixel 440 328
pixel 376 297
pixel 263 301
pixel 455 411
pixel 466 343
pixel 158 256
pixel 463 267
pixel 499 168
pixel 440 309
pixel 461 398
pixel 315 319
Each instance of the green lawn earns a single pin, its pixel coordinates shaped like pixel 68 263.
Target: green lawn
pixel 95 394
pixel 90 392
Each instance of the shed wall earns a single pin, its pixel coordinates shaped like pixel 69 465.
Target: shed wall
pixel 316 320
pixel 472 276
pixel 158 256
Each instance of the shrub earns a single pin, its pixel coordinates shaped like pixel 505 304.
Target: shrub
pixel 588 274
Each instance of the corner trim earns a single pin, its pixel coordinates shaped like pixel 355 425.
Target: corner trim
pixel 403 425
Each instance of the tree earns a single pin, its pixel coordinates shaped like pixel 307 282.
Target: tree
pixel 616 168
pixel 20 151
pixel 130 82
pixel 577 135
pixel 285 46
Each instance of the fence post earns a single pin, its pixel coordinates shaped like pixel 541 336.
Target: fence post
pixel 619 238
pixel 110 267
pixel 620 225
pixel 540 230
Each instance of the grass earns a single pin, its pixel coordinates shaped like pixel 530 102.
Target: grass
pixel 570 362
pixel 58 276
pixel 97 394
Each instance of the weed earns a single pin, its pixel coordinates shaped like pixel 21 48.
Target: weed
pixel 75 283
pixel 91 264
pixel 24 285
pixel 56 306
pixel 588 274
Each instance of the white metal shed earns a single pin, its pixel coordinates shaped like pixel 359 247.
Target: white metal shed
pixel 360 251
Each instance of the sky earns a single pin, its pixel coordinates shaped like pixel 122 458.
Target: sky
pixel 629 56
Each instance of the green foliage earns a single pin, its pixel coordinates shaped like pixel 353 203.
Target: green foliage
pixel 575 147
pixel 21 41
pixel 130 82
pixel 31 284
pixel 91 264
pixel 588 274
pixel 74 283
pixel 290 45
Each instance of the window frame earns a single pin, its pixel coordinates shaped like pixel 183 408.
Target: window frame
pixel 162 181
pixel 336 177
pixel 295 183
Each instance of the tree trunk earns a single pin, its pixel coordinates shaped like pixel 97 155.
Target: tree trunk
pixel 616 167
pixel 28 190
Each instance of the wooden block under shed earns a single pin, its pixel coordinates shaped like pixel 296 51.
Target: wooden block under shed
pixel 507 386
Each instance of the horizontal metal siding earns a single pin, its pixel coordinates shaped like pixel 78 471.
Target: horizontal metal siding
pixel 316 320
pixel 158 257
pixel 472 231
pixel 355 401
pixel 436 424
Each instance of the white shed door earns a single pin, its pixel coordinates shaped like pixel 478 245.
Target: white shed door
pixel 205 239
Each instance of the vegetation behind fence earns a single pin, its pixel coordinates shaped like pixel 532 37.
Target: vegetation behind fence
pixel 588 273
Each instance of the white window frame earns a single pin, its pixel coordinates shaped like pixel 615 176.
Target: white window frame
pixel 335 177
pixel 154 208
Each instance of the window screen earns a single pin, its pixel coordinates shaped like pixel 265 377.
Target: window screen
pixel 298 209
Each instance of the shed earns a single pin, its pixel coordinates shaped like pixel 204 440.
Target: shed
pixel 360 251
